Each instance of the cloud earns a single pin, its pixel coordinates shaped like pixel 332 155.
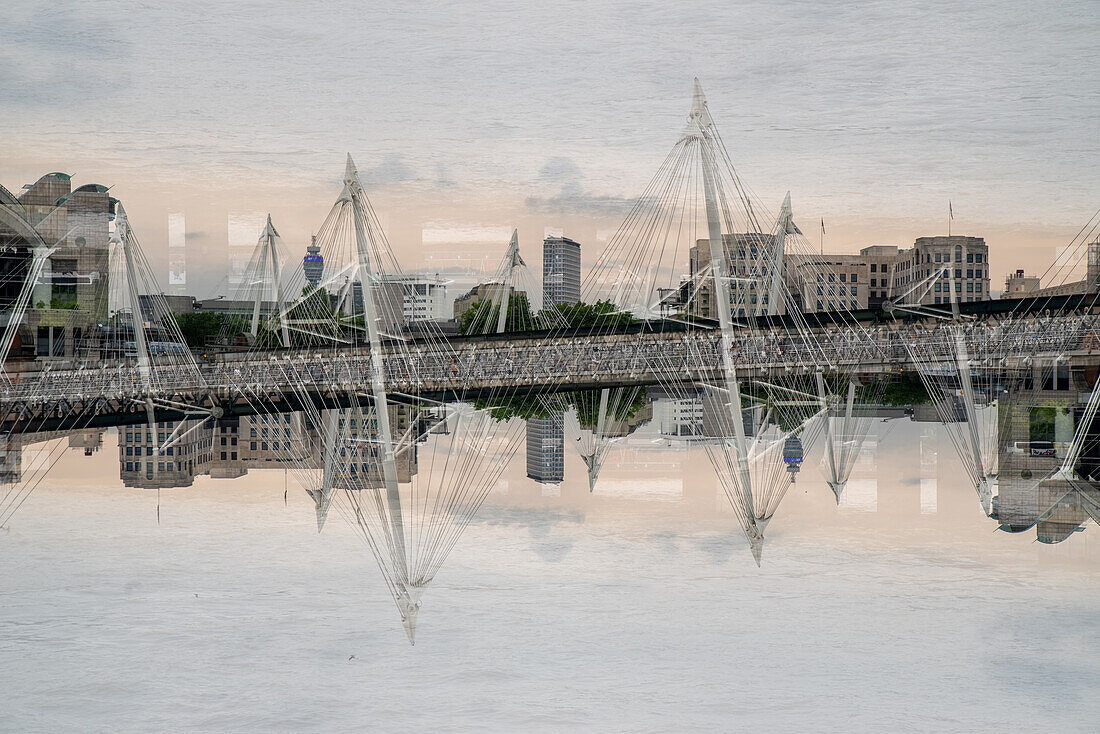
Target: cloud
pixel 560 169
pixel 60 56
pixel 571 197
pixel 391 169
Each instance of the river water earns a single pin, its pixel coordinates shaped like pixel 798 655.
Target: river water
pixel 633 608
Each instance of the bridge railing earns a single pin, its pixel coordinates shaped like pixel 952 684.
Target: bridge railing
pixel 591 359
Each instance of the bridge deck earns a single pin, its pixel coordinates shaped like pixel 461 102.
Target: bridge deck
pixel 57 399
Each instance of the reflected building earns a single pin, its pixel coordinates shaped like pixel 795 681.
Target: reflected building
pixel 697 415
pixel 360 451
pixel 236 444
pixel 176 466
pixel 546 448
pixel 90 441
pixel 1037 427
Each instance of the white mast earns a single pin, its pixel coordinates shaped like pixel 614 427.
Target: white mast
pixel 700 121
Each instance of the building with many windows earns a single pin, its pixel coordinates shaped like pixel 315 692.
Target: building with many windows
pixel 424 298
pixel 828 282
pixel 921 275
pixel 546 448
pixel 141 465
pixel 561 271
pixel 750 271
pixel 69 299
pixel 927 273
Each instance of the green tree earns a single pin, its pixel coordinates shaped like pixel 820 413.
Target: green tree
pixel 578 315
pixel 482 314
pixel 198 327
pixel 906 389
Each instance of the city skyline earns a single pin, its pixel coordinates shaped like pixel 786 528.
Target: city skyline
pixel 644 365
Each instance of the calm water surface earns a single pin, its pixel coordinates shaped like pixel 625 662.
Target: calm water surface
pixel 635 608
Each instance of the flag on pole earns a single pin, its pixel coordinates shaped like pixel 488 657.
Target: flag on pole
pixel 950 209
pixel 823 225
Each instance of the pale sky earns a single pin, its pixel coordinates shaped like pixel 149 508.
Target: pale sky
pixel 482 118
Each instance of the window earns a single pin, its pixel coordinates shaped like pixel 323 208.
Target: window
pixel 937 299
pixel 130 437
pixel 978 257
pixel 938 290
pixel 874 269
pixel 843 277
pixel 263 445
pixel 978 287
pixel 223 440
pixel 832 277
pixel 874 282
pixel 223 456
pixel 129 450
pixel 253 446
pixel 970 257
pixel 937 257
pixel 855 277
pixel 129 466
pixel 234 456
pixel 970 273
pixel 253 435
pixel 160 466
pixel 169 451
pixel 820 290
pixel 275 445
pixel 148 450
pixel 969 287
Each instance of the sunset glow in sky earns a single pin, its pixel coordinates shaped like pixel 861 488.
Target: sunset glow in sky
pixel 485 118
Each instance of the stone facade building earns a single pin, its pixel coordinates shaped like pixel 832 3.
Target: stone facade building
pixel 70 296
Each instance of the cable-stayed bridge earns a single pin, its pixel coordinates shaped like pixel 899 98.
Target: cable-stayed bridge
pixel 526 364
pixel 777 379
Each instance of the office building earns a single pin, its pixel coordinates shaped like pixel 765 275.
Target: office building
pixel 69 299
pixel 546 448
pixel 176 466
pixel 921 275
pixel 561 271
pixel 423 298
